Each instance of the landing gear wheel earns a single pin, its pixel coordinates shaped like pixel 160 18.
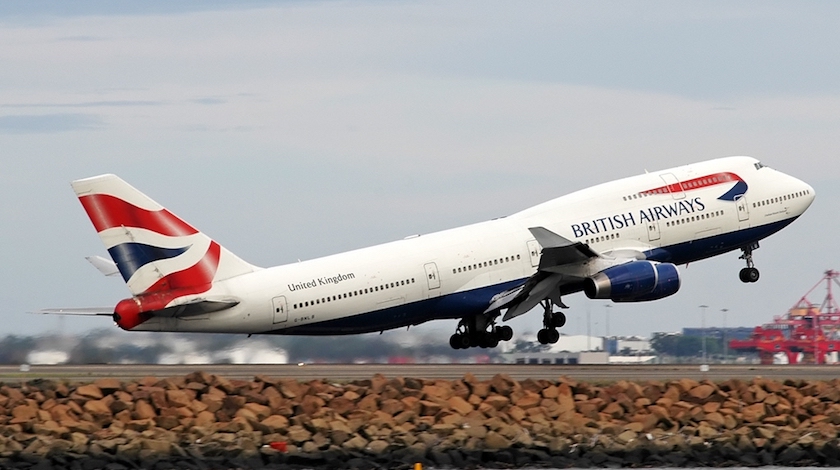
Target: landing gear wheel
pixel 479 331
pixel 749 275
pixel 459 341
pixel 548 336
pixel 504 333
pixel 558 319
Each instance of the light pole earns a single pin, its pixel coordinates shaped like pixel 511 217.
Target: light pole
pixel 725 346
pixel 703 328
pixel 607 308
pixel 607 342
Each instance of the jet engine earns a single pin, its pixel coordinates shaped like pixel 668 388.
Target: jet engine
pixel 637 281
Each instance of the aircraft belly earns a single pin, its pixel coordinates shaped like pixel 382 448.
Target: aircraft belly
pixel 702 248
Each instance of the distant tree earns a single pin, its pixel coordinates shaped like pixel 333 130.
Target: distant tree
pixel 524 346
pixel 685 346
pixel 14 349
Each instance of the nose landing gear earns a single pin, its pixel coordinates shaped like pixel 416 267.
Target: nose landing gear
pixel 750 273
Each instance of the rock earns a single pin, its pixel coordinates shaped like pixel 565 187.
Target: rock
pixel 143 410
pixel 460 405
pixel 98 409
pixel 497 402
pixel 754 413
pixel 356 443
pixel 701 392
pixel 107 385
pixel 24 413
pixel 178 398
pixel 89 391
pixel 298 434
pixel 342 405
pixel 502 384
pixel 377 447
pixel 310 405
pixel 529 400
pixel 494 440
pixel 276 423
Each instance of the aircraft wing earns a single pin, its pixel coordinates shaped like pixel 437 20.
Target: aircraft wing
pixel 557 253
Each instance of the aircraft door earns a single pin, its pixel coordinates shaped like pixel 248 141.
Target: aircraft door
pixel 653 230
pixel 743 209
pixel 281 311
pixel 674 185
pixel 535 251
pixel 432 275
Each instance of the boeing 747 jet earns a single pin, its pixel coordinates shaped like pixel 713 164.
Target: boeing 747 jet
pixel 621 241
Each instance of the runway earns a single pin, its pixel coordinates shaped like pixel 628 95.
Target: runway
pixel 348 372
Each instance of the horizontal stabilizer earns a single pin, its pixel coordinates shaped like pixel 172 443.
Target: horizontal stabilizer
pixel 105 266
pixel 87 311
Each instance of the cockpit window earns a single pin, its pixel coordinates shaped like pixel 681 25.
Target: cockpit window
pixel 759 165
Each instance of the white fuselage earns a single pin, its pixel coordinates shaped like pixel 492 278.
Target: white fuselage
pixel 455 273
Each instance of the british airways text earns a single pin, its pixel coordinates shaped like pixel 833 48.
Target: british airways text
pixel 627 219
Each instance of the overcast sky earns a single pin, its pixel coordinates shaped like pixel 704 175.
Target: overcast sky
pixel 292 130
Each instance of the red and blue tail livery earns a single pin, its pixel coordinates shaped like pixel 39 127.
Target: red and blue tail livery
pixel 159 256
pixel 622 241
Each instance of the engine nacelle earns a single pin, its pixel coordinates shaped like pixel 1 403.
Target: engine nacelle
pixel 637 281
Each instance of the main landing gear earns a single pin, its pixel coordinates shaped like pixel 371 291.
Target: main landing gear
pixel 551 321
pixel 479 331
pixel 750 273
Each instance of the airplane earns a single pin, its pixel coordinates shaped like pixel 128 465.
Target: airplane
pixel 621 241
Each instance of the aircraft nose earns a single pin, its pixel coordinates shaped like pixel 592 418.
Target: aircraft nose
pixel 810 194
pixel 807 194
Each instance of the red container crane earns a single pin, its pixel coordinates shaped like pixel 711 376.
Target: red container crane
pixel 808 331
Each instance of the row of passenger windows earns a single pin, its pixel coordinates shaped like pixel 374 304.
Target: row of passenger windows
pixel 786 197
pixel 639 195
pixel 470 267
pixel 602 238
pixel 693 218
pixel 354 293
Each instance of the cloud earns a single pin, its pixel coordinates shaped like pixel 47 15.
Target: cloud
pixel 86 104
pixel 48 123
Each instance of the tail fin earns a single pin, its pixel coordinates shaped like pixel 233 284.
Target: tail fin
pixel 155 250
